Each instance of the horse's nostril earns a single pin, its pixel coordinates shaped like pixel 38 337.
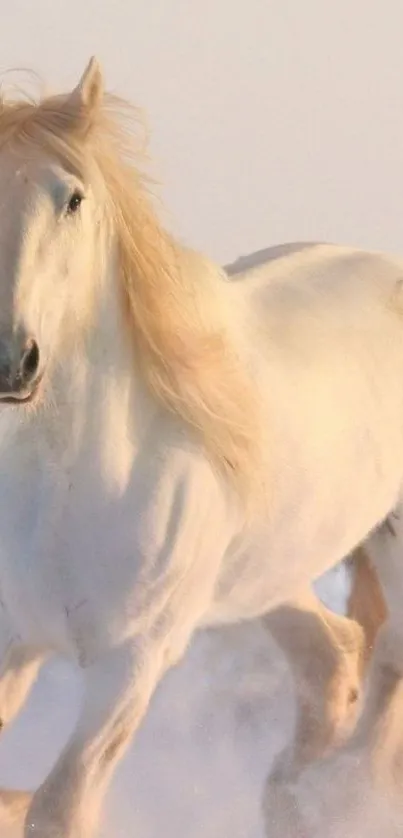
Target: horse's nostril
pixel 29 362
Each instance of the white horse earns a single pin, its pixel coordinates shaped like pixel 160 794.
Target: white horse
pixel 177 450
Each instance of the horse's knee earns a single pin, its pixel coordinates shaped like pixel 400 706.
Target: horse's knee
pixel 117 741
pixel 343 703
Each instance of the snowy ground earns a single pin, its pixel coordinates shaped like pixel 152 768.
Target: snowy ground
pixel 198 765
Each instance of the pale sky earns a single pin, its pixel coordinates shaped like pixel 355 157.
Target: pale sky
pixel 272 119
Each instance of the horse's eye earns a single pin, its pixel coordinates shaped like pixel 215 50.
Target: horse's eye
pixel 74 202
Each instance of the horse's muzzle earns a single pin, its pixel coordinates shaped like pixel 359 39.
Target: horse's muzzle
pixel 19 371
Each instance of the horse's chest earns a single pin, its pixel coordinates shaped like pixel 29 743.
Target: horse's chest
pixel 72 573
pixel 30 510
pixel 49 519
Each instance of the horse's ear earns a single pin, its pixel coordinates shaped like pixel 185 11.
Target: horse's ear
pixel 88 94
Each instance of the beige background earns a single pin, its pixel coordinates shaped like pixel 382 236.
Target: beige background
pixel 272 119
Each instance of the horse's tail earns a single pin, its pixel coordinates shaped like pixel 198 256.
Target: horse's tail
pixel 366 603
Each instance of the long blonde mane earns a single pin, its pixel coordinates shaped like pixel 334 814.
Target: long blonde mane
pixel 175 301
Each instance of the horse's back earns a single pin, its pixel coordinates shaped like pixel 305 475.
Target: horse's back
pixel 289 258
pixel 262 257
pixel 309 277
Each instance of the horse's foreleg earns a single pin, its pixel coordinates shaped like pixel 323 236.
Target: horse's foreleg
pixel 324 651
pixel 378 737
pixel 117 690
pixel 119 684
pixel 326 654
pixel 18 672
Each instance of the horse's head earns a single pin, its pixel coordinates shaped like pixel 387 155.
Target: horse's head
pixel 85 266
pixel 50 230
